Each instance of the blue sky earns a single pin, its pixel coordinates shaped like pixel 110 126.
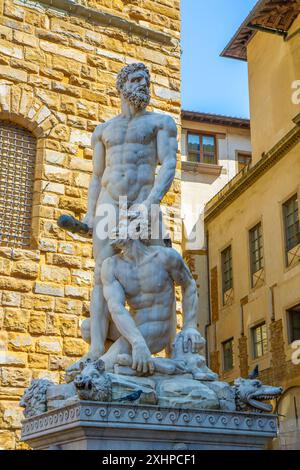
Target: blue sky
pixel 211 83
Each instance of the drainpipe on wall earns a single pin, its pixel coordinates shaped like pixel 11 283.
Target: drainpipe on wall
pixel 243 302
pixel 272 302
pixel 242 319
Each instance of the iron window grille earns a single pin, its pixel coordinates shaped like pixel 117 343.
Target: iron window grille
pixel 17 166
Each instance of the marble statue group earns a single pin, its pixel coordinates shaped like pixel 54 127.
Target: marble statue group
pixel 133 303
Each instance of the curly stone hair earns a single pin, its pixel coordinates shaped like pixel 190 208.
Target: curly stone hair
pixel 127 70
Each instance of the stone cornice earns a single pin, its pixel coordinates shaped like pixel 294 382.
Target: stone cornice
pixel 273 16
pixel 217 119
pixel 106 19
pixel 127 416
pixel 245 179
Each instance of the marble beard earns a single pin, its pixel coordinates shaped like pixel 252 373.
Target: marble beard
pixel 133 305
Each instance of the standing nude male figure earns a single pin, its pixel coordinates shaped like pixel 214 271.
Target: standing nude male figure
pixel 127 150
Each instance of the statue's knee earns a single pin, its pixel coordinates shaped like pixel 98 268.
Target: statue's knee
pixel 97 274
pixel 85 328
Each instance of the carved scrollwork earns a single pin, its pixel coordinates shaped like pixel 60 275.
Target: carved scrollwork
pixel 117 413
pixel 212 420
pixel 88 412
pixel 146 415
pixel 261 423
pixel 249 422
pixel 224 420
pixel 186 418
pixel 131 414
pixel 172 417
pixel 236 421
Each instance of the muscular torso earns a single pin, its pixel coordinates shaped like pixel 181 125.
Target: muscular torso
pixel 131 157
pixel 148 287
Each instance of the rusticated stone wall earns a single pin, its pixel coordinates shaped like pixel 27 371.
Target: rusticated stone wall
pixel 57 79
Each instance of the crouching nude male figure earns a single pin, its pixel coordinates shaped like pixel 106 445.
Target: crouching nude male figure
pixel 145 276
pixel 127 150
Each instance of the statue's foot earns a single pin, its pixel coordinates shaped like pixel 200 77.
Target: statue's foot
pixel 124 360
pixel 204 374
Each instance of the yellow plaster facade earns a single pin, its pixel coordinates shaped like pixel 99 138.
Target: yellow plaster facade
pixel 274 65
pixel 257 196
pixel 199 183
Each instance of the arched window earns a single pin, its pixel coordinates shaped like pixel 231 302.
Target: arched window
pixel 17 165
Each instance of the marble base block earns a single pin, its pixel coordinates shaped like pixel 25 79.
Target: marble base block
pixel 113 426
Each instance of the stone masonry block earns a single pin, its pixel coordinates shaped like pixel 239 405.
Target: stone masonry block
pixel 55 274
pixel 20 342
pixel 74 347
pixel 25 269
pixel 49 345
pixel 15 377
pixel 16 319
pixel 42 288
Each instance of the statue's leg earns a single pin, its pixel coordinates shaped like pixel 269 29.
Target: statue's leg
pixel 121 346
pixel 99 314
pixel 156 335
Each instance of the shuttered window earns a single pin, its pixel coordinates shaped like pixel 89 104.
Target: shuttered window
pixel 260 340
pixel 228 355
pixel 227 269
pixel 17 165
pixel 291 222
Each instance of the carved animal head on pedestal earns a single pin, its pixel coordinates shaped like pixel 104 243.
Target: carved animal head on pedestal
pixel 93 383
pixel 34 399
pixel 252 394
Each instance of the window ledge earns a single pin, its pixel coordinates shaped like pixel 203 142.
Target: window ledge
pixel 210 169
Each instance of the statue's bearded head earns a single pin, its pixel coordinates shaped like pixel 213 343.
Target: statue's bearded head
pixel 133 82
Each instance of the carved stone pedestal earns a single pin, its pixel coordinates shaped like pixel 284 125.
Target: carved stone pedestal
pixel 113 426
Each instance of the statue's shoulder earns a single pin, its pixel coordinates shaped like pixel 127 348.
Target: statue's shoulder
pixel 165 122
pixel 108 265
pixel 165 254
pixel 172 257
pixel 98 132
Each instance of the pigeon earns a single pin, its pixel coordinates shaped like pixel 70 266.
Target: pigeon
pixel 132 396
pixel 254 374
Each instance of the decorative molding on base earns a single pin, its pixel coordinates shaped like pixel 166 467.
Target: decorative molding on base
pixel 99 424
